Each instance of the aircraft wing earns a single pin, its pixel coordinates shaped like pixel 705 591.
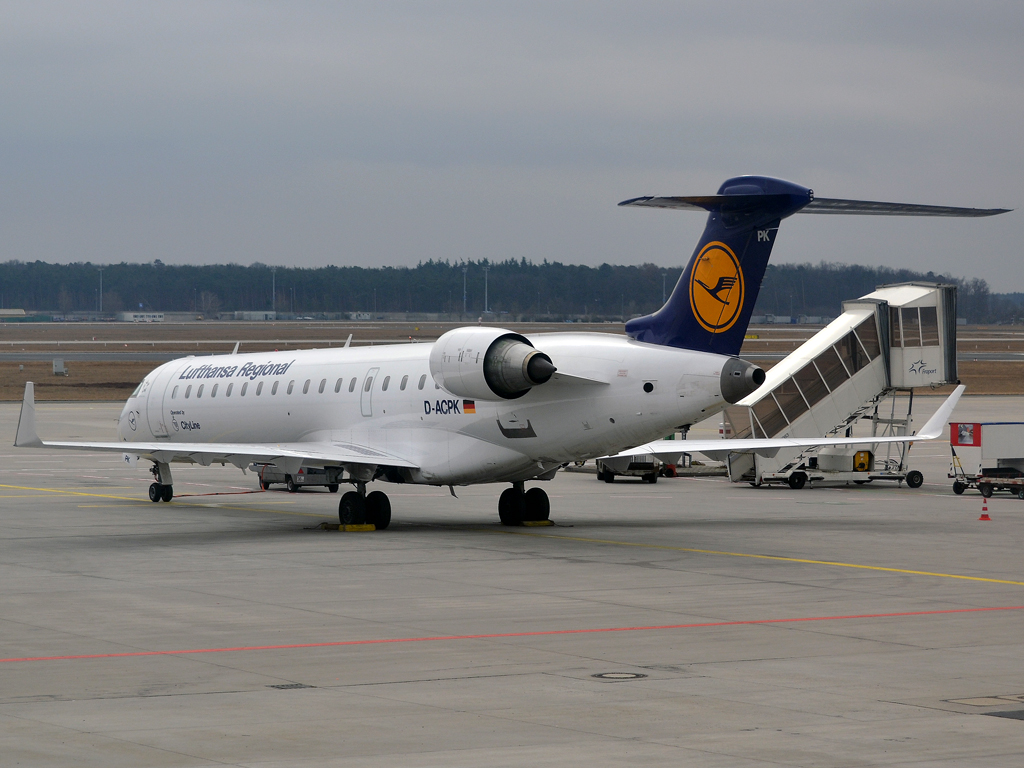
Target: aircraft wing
pixel 671 449
pixel 239 454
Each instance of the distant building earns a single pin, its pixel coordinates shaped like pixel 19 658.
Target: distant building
pixel 140 317
pixel 257 316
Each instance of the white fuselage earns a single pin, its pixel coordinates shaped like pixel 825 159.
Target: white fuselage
pixel 384 398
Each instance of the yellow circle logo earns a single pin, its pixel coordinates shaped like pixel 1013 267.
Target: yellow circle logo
pixel 716 288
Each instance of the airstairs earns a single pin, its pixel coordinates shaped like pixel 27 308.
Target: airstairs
pixel 856 376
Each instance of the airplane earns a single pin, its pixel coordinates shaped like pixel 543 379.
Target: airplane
pixel 486 404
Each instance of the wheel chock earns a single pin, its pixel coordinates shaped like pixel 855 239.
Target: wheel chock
pixel 345 528
pixel 537 523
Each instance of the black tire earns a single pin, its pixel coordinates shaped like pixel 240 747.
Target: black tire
pixel 1020 493
pixel 986 490
pixel 651 478
pixel 959 488
pixel 914 479
pixel 609 476
pixel 290 484
pixel 352 509
pixel 511 507
pixel 332 487
pixel 156 492
pixel 167 494
pixel 378 509
pixel 861 482
pixel 538 506
pixel 797 480
pixel 265 485
pixel 600 475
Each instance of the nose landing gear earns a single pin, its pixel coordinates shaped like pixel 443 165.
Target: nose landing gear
pixel 516 506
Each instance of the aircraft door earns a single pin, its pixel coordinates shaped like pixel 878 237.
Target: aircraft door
pixel 366 393
pixel 155 397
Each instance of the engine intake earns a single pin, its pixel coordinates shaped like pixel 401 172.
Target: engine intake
pixel 739 379
pixel 488 363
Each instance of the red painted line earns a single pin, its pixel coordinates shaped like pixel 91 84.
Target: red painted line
pixel 500 635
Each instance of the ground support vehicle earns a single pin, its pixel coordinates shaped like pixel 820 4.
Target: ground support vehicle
pixel 987 456
pixel 645 466
pixel 306 476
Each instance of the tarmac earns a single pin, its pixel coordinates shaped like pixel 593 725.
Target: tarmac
pixel 843 626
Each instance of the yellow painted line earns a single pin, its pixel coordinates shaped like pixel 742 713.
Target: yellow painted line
pixel 136 499
pixel 806 561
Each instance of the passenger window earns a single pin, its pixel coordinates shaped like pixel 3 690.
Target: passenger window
pixel 405 380
pixel 929 327
pixel 213 392
pixel 305 387
pixel 273 390
pixel 322 385
pixel 352 385
pixel 259 389
pixel 423 380
pixel 228 392
pixel 245 386
pixel 174 393
pixel 199 392
pixel 337 387
pixel 369 383
pixel 291 386
pixel 384 386
pixel 188 391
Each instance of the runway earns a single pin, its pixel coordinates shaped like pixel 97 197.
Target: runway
pixel 873 625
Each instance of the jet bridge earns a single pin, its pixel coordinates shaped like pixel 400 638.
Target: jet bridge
pixel 863 367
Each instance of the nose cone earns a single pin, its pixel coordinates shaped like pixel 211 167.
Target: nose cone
pixel 739 379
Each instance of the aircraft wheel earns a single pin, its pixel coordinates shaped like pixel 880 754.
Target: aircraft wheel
pixel 378 509
pixel 511 507
pixel 352 509
pixel 290 484
pixel 332 487
pixel 986 490
pixel 538 507
pixel 797 480
pixel 915 479
pixel 958 487
pixel 167 493
pixel 156 492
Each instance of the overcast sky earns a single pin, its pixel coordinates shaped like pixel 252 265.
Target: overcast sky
pixel 389 133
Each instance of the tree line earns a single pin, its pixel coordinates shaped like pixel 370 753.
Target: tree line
pixel 519 288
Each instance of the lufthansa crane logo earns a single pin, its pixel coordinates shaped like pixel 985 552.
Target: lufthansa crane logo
pixel 716 288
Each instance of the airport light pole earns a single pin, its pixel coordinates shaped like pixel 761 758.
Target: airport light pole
pixel 273 289
pixel 486 305
pixel 101 291
pixel 464 271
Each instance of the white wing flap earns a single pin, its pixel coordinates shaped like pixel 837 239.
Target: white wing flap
pixel 770 446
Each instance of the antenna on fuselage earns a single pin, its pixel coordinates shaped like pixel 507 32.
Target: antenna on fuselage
pixel 235 350
pixel 348 342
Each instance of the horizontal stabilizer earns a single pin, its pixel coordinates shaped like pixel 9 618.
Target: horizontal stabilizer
pixel 873 208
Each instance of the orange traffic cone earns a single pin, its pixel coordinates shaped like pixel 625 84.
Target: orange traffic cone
pixel 984 509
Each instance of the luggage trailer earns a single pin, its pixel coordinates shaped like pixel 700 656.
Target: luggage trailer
pixel 988 456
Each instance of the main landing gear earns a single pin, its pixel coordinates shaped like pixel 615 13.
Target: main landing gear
pixel 516 506
pixel 162 489
pixel 359 508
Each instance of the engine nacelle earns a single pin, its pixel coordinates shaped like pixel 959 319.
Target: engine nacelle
pixel 739 379
pixel 488 363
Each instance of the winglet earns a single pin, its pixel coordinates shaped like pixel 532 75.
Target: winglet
pixel 937 422
pixel 26 436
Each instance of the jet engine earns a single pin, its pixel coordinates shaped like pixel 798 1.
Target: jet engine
pixel 488 363
pixel 739 379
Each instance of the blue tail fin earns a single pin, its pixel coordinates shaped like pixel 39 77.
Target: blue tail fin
pixel 710 307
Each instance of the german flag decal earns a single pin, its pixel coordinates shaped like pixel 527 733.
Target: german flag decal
pixel 469 406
